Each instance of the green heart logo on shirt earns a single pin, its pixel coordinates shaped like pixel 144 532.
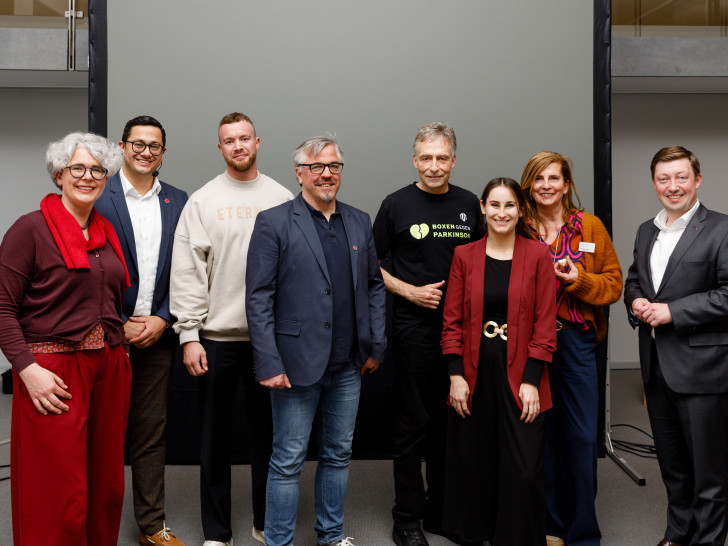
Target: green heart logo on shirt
pixel 419 231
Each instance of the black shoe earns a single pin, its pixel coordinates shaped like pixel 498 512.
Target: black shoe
pixel 409 537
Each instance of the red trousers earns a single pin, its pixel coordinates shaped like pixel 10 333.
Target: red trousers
pixel 67 471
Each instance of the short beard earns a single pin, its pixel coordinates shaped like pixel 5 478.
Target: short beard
pixel 242 166
pixel 328 196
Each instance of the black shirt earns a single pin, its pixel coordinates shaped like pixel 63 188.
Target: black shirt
pixel 495 307
pixel 416 233
pixel 335 244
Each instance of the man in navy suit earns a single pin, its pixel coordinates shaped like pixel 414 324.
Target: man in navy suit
pixel 316 312
pixel 144 212
pixel 677 293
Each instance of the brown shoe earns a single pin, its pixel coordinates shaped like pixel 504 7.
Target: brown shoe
pixel 665 542
pixel 553 541
pixel 163 537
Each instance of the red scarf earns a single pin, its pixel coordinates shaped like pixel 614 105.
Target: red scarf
pixel 69 238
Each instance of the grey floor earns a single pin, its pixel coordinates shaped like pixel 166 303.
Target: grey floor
pixel 628 514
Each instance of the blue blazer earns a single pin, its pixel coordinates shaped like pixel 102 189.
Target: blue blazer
pixel 112 206
pixel 288 293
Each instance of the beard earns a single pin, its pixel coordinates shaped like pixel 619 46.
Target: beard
pixel 241 165
pixel 328 194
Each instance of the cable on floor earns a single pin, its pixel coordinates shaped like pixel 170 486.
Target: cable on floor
pixel 646 451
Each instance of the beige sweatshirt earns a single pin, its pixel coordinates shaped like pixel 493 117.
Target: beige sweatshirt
pixel 207 285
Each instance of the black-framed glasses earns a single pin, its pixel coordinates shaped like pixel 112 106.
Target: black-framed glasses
pixel 78 171
pixel 318 168
pixel 139 146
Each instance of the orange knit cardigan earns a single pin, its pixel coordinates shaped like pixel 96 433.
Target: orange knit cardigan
pixel 600 280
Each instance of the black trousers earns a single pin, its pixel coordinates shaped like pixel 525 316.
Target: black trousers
pixel 691 439
pixel 228 363
pixel 421 386
pixel 494 480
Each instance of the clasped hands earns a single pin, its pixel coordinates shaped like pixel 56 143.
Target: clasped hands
pixel 653 313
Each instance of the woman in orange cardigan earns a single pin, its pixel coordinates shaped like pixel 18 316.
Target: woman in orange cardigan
pixel 498 334
pixel 587 276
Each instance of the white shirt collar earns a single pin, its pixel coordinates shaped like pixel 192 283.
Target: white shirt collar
pixel 130 190
pixel 681 223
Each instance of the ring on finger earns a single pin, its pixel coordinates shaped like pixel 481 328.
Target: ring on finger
pixel 44 401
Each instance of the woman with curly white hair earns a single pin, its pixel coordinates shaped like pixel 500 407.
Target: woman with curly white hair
pixel 62 278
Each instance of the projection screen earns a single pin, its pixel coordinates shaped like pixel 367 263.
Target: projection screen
pixel 513 78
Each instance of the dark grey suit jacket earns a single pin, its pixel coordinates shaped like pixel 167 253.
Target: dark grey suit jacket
pixel 693 349
pixel 288 293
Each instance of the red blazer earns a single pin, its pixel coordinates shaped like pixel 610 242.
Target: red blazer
pixel 531 312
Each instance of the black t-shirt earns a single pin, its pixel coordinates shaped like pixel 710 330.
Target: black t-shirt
pixel 416 233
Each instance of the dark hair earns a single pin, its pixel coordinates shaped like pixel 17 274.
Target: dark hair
pixel 509 183
pixel 673 153
pixel 143 120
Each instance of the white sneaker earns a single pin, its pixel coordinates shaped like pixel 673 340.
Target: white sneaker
pixel 258 535
pixel 345 542
pixel 218 543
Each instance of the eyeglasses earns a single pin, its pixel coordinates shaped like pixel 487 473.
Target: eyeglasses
pixel 139 146
pixel 78 171
pixel 318 168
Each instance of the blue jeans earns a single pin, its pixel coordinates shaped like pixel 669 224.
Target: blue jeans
pixel 333 401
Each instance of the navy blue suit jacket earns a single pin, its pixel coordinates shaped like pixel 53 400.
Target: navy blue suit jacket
pixel 112 206
pixel 288 293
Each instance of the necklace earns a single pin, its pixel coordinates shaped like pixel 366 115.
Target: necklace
pixel 554 252
pixel 86 224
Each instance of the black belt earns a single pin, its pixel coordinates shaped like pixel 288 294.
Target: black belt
pixel 566 325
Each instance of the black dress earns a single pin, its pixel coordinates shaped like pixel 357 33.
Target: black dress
pixel 494 486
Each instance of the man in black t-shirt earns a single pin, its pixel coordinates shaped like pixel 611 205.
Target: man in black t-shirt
pixel 416 232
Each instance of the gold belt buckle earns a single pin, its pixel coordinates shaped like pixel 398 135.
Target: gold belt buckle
pixel 501 330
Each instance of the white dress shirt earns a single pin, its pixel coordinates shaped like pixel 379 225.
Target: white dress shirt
pixel 146 220
pixel 666 242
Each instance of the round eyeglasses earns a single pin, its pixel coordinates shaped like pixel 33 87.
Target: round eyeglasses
pixel 318 168
pixel 78 171
pixel 139 146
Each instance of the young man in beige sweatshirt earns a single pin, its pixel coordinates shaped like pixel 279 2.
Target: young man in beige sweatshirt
pixel 207 295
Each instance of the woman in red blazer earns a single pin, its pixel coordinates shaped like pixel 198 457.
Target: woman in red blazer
pixel 499 331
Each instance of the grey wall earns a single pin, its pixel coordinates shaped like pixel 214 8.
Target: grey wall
pixel 30 119
pixel 641 125
pixel 513 78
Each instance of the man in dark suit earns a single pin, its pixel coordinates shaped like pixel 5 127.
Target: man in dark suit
pixel 677 293
pixel 315 302
pixel 144 212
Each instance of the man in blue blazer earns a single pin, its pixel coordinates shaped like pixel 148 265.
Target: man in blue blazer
pixel 315 303
pixel 677 293
pixel 144 212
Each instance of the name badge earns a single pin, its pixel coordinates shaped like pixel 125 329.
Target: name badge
pixel 587 247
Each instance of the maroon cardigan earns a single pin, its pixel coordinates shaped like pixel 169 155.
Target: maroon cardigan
pixel 42 300
pixel 531 312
